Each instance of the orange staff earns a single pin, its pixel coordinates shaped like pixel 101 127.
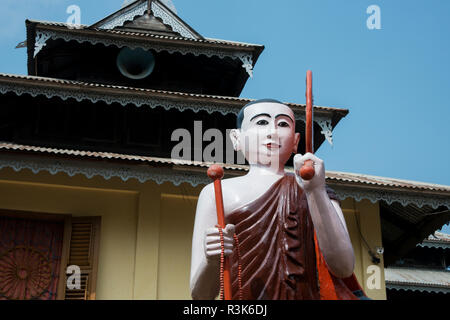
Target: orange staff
pixel 307 171
pixel 215 172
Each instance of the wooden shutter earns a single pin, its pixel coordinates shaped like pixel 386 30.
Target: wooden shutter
pixel 83 252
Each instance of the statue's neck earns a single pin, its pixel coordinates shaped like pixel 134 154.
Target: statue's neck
pixel 265 170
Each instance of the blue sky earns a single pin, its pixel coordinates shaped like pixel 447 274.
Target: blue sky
pixel 395 81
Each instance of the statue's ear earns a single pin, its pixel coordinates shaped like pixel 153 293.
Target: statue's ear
pixel 235 139
pixel 296 142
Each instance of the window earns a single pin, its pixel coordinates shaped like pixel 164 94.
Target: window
pixel 35 250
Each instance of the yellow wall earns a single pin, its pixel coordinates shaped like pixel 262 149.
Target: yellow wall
pixel 177 220
pixel 363 220
pixel 146 229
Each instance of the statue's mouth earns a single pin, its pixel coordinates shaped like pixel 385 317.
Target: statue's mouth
pixel 272 145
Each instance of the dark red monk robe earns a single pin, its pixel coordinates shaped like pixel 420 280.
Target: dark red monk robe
pixel 278 249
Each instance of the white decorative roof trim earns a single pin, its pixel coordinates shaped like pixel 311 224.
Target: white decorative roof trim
pixel 247 63
pixel 40 42
pixel 418 287
pixel 440 245
pixel 159 11
pixel 168 18
pixel 43 36
pixel 325 124
pixel 167 104
pixel 124 17
pixel 375 195
pixel 144 173
pixel 103 169
pixel 80 95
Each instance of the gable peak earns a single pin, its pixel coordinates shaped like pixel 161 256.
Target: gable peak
pixel 164 10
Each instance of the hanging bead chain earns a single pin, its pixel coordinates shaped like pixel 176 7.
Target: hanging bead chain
pixel 222 262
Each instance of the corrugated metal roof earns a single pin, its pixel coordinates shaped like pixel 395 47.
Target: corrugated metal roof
pixel 58 24
pixel 112 155
pixel 145 34
pixel 330 175
pixel 436 240
pixel 88 85
pixel 411 213
pixel 417 279
pixel 135 89
pixel 383 181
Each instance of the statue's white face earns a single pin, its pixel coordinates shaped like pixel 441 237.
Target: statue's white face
pixel 267 135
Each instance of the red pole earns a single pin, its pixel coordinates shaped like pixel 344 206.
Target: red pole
pixel 215 172
pixel 307 170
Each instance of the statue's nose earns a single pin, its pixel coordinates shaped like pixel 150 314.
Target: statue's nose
pixel 272 133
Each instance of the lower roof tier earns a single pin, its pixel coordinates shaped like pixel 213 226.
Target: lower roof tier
pixel 409 211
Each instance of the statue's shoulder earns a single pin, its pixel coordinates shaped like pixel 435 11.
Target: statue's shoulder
pixel 229 186
pixel 235 191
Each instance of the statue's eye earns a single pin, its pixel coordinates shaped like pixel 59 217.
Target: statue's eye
pixel 283 124
pixel 262 122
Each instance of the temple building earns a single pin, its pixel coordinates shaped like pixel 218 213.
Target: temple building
pixel 423 273
pixel 89 181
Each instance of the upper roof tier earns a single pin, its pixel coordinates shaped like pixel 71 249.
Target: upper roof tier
pixel 179 57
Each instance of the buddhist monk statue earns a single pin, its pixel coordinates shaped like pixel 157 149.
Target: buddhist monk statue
pixel 292 236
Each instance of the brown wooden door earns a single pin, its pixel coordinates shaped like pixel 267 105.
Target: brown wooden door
pixel 31 251
pixel 36 249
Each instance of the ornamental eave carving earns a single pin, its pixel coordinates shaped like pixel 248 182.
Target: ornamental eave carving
pixel 94 95
pixel 161 175
pixel 158 11
pixel 245 56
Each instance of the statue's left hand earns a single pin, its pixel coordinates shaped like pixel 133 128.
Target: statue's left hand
pixel 318 181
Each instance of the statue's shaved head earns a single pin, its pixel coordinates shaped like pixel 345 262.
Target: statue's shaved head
pixel 240 116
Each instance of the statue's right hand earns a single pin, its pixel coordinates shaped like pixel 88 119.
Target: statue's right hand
pixel 212 242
